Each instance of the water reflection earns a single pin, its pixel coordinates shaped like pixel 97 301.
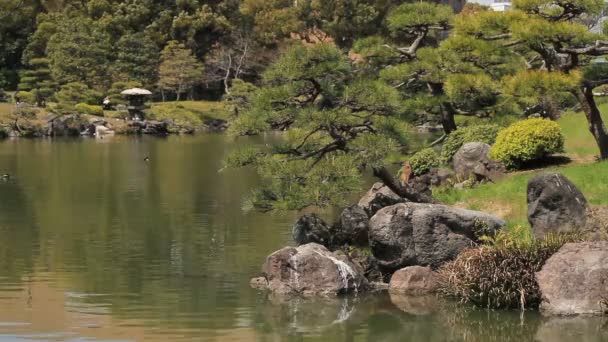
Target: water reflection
pixel 97 244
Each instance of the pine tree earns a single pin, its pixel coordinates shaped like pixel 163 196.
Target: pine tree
pixel 179 70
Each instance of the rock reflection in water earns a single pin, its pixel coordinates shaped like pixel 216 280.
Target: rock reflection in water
pixel 394 317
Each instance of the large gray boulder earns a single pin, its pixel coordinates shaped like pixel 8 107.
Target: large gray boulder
pixel 311 270
pixel 311 228
pixel 353 227
pixel 555 204
pixel 575 280
pixel 408 234
pixel 472 159
pixel 378 197
pixel 414 280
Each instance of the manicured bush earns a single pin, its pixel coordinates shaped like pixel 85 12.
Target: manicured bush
pixel 84 108
pixel 501 274
pixel 480 133
pixel 26 96
pixel 527 140
pixel 423 161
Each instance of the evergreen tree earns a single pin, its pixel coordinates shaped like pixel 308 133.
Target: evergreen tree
pixel 179 70
pixel 37 79
pixel 338 125
pixel 80 52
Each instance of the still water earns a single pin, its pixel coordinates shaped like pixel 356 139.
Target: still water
pixel 98 245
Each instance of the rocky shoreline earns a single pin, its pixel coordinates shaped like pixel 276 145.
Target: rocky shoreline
pixel 75 125
pixel 386 242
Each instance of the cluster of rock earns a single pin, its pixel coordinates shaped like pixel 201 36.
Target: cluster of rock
pixel 575 279
pixel 369 242
pixel 385 241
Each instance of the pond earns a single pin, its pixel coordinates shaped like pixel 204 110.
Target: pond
pixel 98 245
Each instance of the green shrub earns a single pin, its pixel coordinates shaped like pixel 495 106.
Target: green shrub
pixel 501 274
pixel 481 133
pixel 527 140
pixel 84 108
pixel 26 96
pixel 423 161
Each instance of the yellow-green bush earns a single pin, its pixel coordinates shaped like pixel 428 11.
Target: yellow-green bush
pixel 84 108
pixel 527 140
pixel 423 161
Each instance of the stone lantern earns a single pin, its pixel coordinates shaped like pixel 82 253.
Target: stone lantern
pixel 137 99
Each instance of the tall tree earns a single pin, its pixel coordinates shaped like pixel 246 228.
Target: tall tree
pixel 137 58
pixel 179 70
pixel 80 52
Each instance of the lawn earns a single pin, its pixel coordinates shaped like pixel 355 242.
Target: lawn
pixel 5 109
pixel 507 197
pixel 579 142
pixel 202 109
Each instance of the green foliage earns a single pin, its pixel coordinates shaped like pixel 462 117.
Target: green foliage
pixel 336 125
pixel 418 14
pixel 424 161
pixel 501 274
pixel 84 108
pixel 531 88
pixel 38 80
pixel 479 133
pixel 79 52
pixel 137 59
pixel 179 70
pixel 74 93
pixel 27 97
pixel 527 140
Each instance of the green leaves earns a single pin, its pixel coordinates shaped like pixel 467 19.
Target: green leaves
pixel 419 15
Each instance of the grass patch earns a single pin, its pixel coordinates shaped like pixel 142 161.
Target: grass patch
pixel 578 140
pixel 507 197
pixel 201 109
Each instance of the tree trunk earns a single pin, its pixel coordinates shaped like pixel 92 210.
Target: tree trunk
pixel 445 109
pixel 162 94
pixel 178 94
pixel 594 119
pixel 405 191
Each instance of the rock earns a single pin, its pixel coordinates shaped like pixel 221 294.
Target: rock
pixel 408 234
pixel 555 204
pixel 416 305
pixel 149 127
pixel 575 280
pixel 597 224
pixel 103 130
pixel 414 280
pixel 442 177
pixel 215 125
pixel 472 160
pixel 310 270
pixel 378 197
pixel 353 227
pixel 259 283
pixel 368 262
pixel 311 228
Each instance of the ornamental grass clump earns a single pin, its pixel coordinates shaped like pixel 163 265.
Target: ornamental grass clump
pixel 526 141
pixel 480 133
pixel 500 274
pixel 424 161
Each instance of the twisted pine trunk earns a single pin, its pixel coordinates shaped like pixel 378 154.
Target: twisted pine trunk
pixel 594 119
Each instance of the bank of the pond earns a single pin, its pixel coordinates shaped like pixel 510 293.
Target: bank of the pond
pixel 183 117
